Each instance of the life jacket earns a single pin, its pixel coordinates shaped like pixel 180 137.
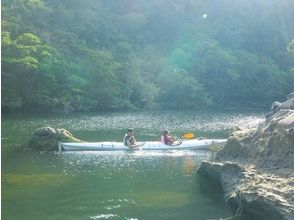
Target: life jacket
pixel 164 139
pixel 127 139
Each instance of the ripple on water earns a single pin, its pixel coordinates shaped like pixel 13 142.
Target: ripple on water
pixel 115 185
pixel 158 120
pixel 172 120
pixel 90 161
pixel 104 216
pixel 148 125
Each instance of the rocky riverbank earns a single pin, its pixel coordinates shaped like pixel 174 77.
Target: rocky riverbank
pixel 256 167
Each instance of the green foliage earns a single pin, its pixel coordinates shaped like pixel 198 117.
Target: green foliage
pixel 22 61
pixel 179 90
pixel 108 55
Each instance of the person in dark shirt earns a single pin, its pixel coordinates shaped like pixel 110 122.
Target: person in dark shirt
pixel 129 139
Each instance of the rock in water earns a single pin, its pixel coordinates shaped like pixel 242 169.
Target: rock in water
pixel 47 138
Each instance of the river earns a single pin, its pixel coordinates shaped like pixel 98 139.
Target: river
pixel 114 185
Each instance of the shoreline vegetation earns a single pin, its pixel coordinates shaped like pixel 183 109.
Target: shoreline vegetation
pixel 256 167
pixel 69 56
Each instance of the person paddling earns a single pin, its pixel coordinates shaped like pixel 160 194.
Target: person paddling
pixel 166 138
pixel 129 139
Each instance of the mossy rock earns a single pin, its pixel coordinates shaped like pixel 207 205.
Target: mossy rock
pixel 47 138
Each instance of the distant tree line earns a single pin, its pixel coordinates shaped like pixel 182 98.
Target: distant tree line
pixel 72 55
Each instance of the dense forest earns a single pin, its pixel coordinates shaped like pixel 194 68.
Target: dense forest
pixel 92 55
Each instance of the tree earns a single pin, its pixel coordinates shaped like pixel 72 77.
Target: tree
pixel 21 63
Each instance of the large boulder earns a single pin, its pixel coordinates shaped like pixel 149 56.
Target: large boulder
pixel 269 145
pixel 256 166
pixel 47 138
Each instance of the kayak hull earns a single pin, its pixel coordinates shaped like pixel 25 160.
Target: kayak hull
pixel 196 144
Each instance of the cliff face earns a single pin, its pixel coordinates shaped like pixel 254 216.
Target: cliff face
pixel 256 167
pixel 271 145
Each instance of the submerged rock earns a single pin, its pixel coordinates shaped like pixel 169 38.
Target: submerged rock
pixel 256 167
pixel 47 138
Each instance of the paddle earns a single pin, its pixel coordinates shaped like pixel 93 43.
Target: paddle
pixel 139 146
pixel 188 136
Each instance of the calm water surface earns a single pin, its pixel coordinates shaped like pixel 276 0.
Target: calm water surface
pixel 114 185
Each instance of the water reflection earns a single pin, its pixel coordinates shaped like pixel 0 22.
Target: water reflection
pixel 76 162
pixel 189 166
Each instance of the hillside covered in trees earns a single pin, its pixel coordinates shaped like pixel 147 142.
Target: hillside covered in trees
pixel 91 55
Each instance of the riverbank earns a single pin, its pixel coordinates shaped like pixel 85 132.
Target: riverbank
pixel 256 167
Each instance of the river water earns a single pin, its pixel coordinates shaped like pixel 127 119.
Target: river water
pixel 114 185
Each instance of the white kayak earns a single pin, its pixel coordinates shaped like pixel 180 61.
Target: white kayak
pixel 195 144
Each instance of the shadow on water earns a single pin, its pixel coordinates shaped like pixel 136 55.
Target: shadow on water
pixel 213 191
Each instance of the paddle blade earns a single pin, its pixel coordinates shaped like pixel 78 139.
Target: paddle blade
pixel 188 136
